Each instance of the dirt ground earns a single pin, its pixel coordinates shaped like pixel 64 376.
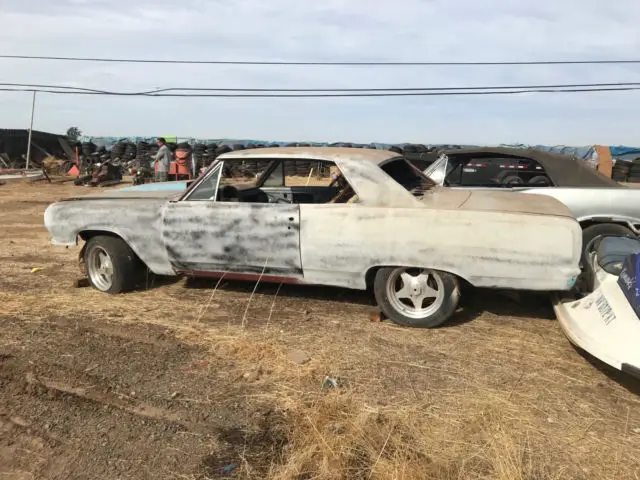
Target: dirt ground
pixel 184 381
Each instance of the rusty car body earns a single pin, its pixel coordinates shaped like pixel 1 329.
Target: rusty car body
pixel 380 224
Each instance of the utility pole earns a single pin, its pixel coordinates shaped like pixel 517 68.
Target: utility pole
pixel 33 108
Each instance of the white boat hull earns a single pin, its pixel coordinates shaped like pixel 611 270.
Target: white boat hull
pixel 604 324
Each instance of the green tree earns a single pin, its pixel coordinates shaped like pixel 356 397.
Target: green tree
pixel 73 134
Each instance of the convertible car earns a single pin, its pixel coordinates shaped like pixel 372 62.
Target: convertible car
pixel 601 205
pixel 375 222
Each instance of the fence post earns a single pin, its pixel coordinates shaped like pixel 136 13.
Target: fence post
pixel 33 107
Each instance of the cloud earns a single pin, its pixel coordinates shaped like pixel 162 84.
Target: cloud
pixel 504 30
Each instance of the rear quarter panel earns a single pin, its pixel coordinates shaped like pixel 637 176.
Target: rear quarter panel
pixel 340 243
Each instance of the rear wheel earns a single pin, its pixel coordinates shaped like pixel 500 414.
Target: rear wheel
pixel 416 297
pixel 111 265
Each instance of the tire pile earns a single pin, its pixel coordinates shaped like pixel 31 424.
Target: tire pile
pixel 127 154
pixel 88 148
pixel 144 151
pixel 627 171
pixel 198 155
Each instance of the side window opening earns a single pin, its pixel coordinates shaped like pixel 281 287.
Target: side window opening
pixel 287 181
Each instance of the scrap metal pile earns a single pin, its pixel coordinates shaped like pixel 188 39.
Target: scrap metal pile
pixel 128 158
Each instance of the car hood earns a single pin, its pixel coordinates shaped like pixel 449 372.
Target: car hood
pixel 488 201
pixel 169 190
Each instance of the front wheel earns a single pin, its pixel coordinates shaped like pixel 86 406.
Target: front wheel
pixel 416 297
pixel 111 265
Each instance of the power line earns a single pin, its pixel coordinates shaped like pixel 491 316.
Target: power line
pixel 324 95
pixel 167 91
pixel 308 63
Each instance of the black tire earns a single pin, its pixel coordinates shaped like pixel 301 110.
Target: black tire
pixel 449 303
pixel 541 180
pixel 127 267
pixel 511 180
pixel 598 229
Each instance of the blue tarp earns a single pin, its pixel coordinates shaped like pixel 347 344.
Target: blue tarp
pixel 580 152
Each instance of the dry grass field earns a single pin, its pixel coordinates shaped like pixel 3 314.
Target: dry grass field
pixel 184 381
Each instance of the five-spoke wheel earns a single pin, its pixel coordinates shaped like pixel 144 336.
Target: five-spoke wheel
pixel 111 265
pixel 416 297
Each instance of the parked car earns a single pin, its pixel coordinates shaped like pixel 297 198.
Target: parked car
pixel 601 205
pixel 601 316
pixel 377 222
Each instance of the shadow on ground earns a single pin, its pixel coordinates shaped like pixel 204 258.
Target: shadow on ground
pixel 474 302
pixel 627 381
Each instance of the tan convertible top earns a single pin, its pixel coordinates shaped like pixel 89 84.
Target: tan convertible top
pixel 564 171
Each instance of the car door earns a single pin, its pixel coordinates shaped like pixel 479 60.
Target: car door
pixel 203 235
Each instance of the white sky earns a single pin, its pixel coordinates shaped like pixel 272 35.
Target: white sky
pixel 331 30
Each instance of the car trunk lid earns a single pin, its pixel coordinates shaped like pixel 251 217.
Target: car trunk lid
pixel 491 201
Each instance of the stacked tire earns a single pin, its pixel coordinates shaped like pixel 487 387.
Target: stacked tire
pixel 142 151
pixel 117 151
pixel 88 148
pixel 198 155
pixel 634 171
pixel 290 169
pixel 621 170
pixel 302 167
pixel 130 151
pixel 251 167
pixel 209 154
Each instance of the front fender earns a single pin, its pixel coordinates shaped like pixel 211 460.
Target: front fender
pixel 138 223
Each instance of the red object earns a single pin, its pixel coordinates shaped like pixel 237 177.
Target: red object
pixel 74 171
pixel 180 168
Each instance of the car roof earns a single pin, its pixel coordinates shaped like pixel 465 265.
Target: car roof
pixel 329 154
pixel 360 166
pixel 564 170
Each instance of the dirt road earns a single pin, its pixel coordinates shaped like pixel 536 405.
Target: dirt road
pixel 184 381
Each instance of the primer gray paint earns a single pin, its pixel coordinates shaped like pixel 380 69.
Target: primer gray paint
pixel 491 239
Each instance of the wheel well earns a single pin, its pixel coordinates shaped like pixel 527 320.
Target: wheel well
pixel 370 277
pixel 588 223
pixel 89 234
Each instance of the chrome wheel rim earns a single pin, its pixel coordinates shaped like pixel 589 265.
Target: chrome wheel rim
pixel 100 268
pixel 415 292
